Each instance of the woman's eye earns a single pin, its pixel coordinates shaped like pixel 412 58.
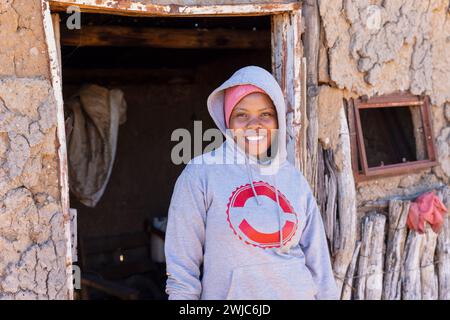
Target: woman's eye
pixel 267 114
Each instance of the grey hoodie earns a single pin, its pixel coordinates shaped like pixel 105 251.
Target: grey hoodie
pixel 241 229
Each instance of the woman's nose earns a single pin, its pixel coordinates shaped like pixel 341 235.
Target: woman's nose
pixel 254 123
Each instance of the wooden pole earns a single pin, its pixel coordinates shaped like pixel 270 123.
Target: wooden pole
pixel 348 289
pixel 150 8
pixel 428 277
pixel 311 49
pixel 345 230
pixel 370 266
pixel 330 196
pixel 398 214
pixel 443 251
pixel 112 36
pixel 411 284
pixel 57 32
pixel 287 52
pixel 55 76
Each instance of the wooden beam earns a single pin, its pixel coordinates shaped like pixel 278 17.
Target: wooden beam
pixel 442 250
pixel 369 281
pixel 164 76
pixel 345 231
pixel 166 38
pixel 428 277
pixel 287 52
pixel 312 44
pixel 398 214
pixel 57 32
pixel 55 77
pixel 411 282
pixel 132 8
pixel 348 287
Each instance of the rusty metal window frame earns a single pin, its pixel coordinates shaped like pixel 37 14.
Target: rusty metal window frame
pixel 357 135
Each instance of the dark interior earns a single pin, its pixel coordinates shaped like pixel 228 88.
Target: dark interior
pixel 389 135
pixel 164 89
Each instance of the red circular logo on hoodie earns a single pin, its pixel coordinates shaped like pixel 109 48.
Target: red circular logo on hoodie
pixel 259 225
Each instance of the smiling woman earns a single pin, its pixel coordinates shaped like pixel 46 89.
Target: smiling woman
pixel 164 66
pixel 253 119
pixel 252 224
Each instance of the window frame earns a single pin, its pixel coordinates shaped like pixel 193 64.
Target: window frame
pixel 357 136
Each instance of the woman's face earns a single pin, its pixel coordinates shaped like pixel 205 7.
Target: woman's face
pixel 253 121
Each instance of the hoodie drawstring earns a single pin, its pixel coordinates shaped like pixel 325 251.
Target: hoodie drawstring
pixel 283 249
pixel 280 217
pixel 250 176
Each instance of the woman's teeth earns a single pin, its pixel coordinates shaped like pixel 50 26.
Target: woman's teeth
pixel 254 138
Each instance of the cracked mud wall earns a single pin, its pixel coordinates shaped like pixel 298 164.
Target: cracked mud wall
pixel 408 50
pixel 32 239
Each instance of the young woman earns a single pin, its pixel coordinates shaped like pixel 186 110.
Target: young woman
pixel 243 223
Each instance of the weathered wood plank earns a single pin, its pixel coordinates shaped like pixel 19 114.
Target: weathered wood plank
pixel 428 277
pixel 312 44
pixel 331 191
pixel 411 284
pixel 171 38
pixel 286 67
pixel 345 230
pixel 370 267
pixel 55 67
pixel 348 288
pixel 129 75
pixel 137 8
pixel 57 32
pixel 443 250
pixel 398 214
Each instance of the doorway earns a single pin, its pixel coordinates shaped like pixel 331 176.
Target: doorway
pixel 168 80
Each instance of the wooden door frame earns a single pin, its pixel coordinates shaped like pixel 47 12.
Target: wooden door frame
pixel 288 67
pixel 126 7
pixel 52 41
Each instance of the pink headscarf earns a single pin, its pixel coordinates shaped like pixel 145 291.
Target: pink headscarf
pixel 234 94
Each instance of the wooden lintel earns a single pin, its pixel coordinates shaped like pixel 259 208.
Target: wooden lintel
pixel 164 76
pixel 130 8
pixel 166 38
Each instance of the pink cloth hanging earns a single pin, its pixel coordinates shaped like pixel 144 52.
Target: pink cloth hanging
pixel 427 208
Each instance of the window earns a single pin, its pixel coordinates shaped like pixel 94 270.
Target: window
pixel 390 135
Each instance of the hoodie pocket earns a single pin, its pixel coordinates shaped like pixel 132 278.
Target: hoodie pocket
pixel 285 281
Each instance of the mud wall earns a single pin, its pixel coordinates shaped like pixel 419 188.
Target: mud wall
pixel 32 242
pixel 377 47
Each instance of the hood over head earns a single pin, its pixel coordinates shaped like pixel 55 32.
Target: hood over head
pixel 263 79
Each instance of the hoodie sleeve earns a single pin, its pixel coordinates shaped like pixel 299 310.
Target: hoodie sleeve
pixel 314 245
pixel 185 235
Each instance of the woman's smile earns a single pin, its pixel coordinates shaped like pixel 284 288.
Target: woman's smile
pixel 254 138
